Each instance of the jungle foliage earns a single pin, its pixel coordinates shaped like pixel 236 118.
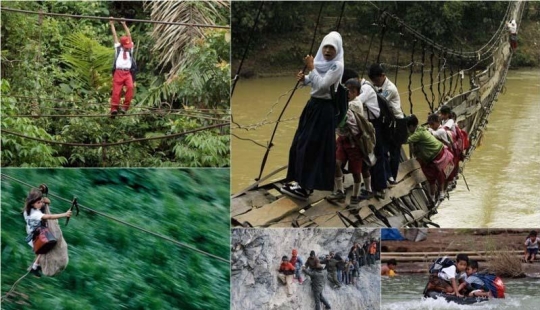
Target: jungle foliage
pixel 62 66
pixel 285 29
pixel 114 266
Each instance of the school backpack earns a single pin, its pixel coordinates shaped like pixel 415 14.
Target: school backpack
pixel 365 140
pixel 394 129
pixel 493 283
pixel 341 103
pixel 386 115
pixel 440 263
pixel 463 137
pixel 134 69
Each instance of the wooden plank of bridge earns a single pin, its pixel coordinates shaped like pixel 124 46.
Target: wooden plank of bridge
pixel 277 210
pixel 408 172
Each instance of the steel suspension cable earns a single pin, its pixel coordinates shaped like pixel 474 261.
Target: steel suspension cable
pixel 7 9
pixel 178 243
pixel 270 144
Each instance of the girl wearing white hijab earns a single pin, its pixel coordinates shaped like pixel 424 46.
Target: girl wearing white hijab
pixel 312 153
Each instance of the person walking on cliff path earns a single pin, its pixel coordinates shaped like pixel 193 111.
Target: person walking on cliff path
pixel 318 276
pixel 286 274
pixel 297 262
pixel 331 267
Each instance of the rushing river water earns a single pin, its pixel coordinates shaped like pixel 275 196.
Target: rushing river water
pixel 503 174
pixel 404 292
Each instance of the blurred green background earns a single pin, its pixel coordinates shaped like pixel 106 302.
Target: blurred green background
pixel 114 266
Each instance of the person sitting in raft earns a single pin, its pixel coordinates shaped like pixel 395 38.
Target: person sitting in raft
pixel 473 284
pixel 531 245
pixel 446 280
pixel 389 269
pixel 435 159
pixel 313 147
pixel 33 216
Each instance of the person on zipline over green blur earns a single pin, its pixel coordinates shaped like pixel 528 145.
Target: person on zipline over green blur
pixel 34 218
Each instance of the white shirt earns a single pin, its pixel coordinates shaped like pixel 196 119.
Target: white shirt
pixel 448 273
pixel 33 220
pixel 530 244
pixel 320 86
pixel 441 134
pixel 122 63
pixel 390 92
pixel 512 27
pixel 369 98
pixel 449 123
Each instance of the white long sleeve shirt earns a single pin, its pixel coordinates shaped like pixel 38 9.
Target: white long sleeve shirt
pixel 390 92
pixel 320 85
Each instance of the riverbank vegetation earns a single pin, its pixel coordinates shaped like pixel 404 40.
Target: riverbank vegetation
pixel 115 266
pixel 285 29
pixel 57 70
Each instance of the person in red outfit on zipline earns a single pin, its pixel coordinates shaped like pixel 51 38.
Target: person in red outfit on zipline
pixel 124 69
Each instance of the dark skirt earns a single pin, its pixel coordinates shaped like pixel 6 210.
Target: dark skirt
pixel 312 157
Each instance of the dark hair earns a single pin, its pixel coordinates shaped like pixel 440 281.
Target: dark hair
pixel 353 83
pixel 445 109
pixel 473 264
pixel 34 196
pixel 433 118
pixel 463 257
pixel 391 262
pixel 375 70
pixel 412 120
pixel 312 253
pixel 349 74
pixel 284 258
pixel 532 233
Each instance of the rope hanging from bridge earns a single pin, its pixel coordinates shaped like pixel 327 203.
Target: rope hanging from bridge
pixel 269 146
pixel 237 75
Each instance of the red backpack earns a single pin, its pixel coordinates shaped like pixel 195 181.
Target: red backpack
pixel 463 137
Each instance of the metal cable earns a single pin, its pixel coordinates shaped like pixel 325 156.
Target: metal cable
pixel 7 9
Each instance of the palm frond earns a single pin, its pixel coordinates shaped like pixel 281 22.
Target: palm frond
pixel 90 61
pixel 171 40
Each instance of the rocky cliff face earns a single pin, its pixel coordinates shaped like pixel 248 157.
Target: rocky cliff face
pixel 256 256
